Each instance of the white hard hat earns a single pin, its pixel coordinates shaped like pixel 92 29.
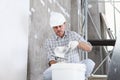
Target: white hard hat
pixel 56 19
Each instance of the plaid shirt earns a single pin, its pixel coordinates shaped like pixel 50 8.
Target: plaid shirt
pixel 55 41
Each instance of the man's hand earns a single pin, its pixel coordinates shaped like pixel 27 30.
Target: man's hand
pixel 52 62
pixel 73 44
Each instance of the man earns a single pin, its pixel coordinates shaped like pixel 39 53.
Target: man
pixel 62 37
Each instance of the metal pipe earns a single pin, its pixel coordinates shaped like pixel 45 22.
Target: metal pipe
pixel 110 33
pixel 114 18
pixel 78 1
pixel 86 24
pixel 102 62
pixel 86 18
pixel 103 1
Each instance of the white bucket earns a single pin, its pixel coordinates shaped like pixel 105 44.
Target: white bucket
pixel 68 71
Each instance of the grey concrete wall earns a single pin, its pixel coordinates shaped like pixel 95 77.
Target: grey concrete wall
pixel 75 17
pixel 40 30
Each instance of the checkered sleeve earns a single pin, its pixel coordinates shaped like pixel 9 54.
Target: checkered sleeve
pixel 49 51
pixel 78 37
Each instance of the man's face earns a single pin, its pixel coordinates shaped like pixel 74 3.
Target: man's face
pixel 59 30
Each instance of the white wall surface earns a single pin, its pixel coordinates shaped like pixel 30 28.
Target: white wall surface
pixel 13 39
pixel 109 9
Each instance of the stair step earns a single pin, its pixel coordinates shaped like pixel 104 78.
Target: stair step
pixel 98 77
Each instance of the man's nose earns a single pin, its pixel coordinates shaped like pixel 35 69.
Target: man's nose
pixel 58 28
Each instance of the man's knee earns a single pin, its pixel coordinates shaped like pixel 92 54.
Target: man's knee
pixel 91 62
pixel 89 66
pixel 47 75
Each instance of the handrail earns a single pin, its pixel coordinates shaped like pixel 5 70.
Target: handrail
pixel 105 42
pixel 106 26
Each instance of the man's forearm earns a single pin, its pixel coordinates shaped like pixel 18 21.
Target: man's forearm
pixel 85 46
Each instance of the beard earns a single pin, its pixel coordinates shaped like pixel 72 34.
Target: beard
pixel 60 33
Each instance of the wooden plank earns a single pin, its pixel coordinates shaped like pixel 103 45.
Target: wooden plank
pixel 108 42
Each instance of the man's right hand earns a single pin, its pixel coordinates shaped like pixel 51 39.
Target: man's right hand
pixel 52 62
